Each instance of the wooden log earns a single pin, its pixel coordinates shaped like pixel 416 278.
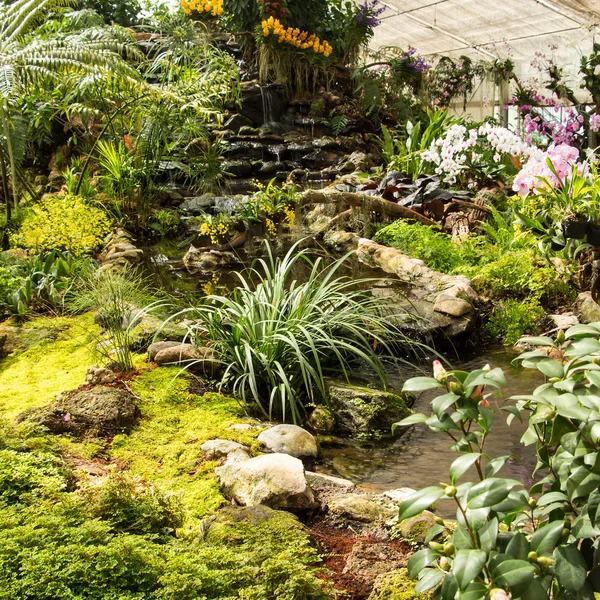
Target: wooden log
pixel 374 203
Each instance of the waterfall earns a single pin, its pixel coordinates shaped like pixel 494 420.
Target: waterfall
pixel 272 104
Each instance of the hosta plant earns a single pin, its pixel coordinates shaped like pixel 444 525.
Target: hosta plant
pixel 540 543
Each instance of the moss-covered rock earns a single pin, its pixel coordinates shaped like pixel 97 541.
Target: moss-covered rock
pixel 415 529
pixel 395 585
pixel 361 410
pixel 321 420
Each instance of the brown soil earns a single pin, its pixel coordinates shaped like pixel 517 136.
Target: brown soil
pixel 336 545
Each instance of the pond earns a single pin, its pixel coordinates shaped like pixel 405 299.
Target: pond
pixel 417 459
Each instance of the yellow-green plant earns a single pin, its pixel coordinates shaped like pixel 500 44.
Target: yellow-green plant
pixel 64 223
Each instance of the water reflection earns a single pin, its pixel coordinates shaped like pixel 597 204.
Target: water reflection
pixel 421 457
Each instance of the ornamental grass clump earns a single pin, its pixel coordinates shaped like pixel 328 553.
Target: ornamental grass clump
pixel 278 338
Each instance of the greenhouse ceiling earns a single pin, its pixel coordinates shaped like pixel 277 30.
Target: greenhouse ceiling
pixel 490 28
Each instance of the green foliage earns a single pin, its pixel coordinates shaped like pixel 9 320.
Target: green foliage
pixel 27 476
pixel 125 13
pixel 165 222
pixel 132 506
pixel 9 284
pixel 277 338
pixel 63 223
pixel 512 319
pixel 536 543
pixel 116 295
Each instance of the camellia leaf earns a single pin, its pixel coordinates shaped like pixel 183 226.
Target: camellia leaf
pixel 550 368
pixel 537 340
pixel 513 572
pixel 487 493
pixel 496 464
pixel 547 536
pixel 467 566
pixel 417 503
pixel 475 591
pixel 518 547
pixel 420 384
pixel 461 465
pixel 428 579
pixel 569 567
pixel 421 559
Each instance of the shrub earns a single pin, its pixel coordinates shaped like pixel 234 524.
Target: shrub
pixel 25 476
pixel 8 285
pixel 514 318
pixel 277 338
pixel 64 223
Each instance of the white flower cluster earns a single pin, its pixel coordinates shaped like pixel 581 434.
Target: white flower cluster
pixel 460 145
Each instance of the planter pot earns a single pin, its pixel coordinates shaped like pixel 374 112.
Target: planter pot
pixel 556 246
pixel 593 235
pixel 256 228
pixel 574 229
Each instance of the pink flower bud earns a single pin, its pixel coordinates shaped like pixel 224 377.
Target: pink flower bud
pixel 439 372
pixel 485 403
pixel 477 393
pixel 67 417
pixel 498 594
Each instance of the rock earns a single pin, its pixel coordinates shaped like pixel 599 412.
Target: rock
pixel 321 420
pixel 100 411
pixel 564 321
pixel 415 529
pixel 276 480
pixel 196 358
pixel 212 259
pixel 156 347
pixel 218 449
pixel 236 122
pixel 451 305
pixel 99 376
pixel 242 427
pixel 230 525
pixel 319 482
pixel 369 560
pixel 364 410
pixel 248 130
pixel 237 168
pixel 290 439
pixel 395 585
pixel 197 205
pixel 151 328
pixel 586 308
pixel 399 494
pixel 357 507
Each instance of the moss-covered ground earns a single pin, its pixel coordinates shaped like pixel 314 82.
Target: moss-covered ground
pixel 135 531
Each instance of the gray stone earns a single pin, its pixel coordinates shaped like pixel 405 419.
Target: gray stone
pixel 99 376
pixel 276 480
pixel 218 449
pixel 197 359
pixel 195 259
pixel 358 508
pixel 587 308
pixel 564 321
pixel 236 122
pixel 156 347
pixel 237 168
pixel 197 205
pixel 242 427
pixel 290 439
pixel 99 411
pixel 369 560
pixel 451 305
pixel 248 130
pixel 364 410
pixel 399 494
pixel 151 328
pixel 320 482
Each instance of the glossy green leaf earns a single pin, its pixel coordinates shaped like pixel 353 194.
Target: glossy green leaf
pixel 550 368
pixel 547 536
pixel 461 465
pixel 420 384
pixel 513 572
pixel 569 567
pixel 518 547
pixel 428 579
pixel 487 493
pixel 418 502
pixel 467 566
pixel 421 559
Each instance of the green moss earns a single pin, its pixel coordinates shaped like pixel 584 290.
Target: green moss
pixel 165 447
pixel 34 376
pixel 395 585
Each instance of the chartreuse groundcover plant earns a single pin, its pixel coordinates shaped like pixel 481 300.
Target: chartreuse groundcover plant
pixel 541 543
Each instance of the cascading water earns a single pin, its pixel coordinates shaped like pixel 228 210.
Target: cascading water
pixel 272 104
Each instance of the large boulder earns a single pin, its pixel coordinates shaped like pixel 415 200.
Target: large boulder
pixel 290 439
pixel 586 308
pixel 225 449
pixel 363 410
pixel 276 480
pixel 100 411
pixel 195 358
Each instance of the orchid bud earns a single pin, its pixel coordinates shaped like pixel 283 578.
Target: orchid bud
pixel 439 372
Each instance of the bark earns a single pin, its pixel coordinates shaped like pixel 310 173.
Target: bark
pixel 374 203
